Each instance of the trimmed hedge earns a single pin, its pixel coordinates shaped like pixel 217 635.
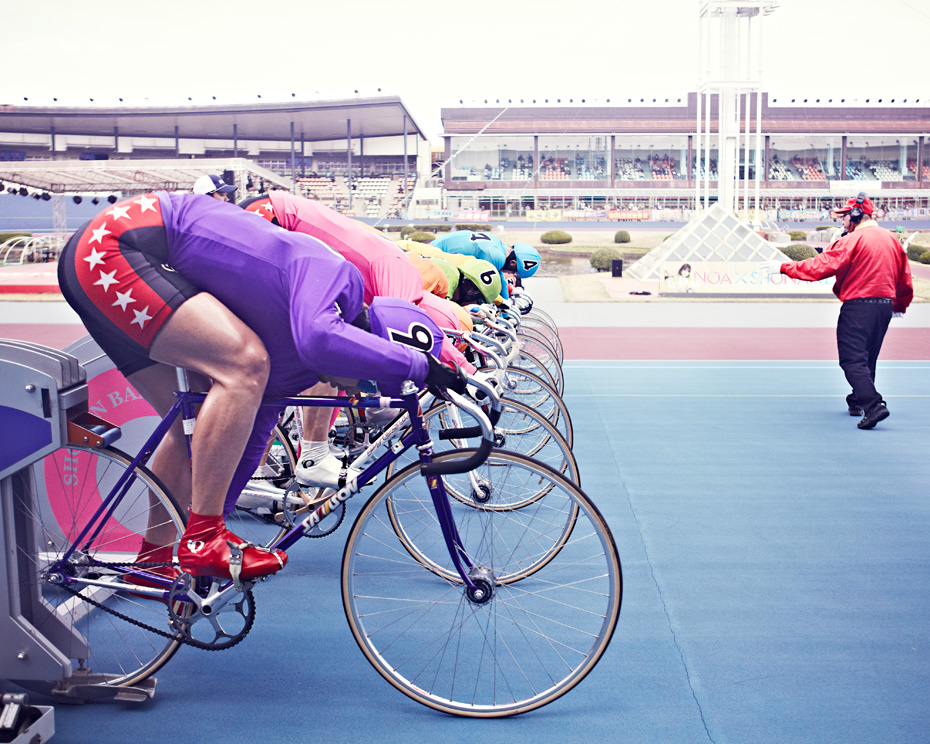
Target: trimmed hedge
pixel 797 235
pixel 555 237
pixel 473 228
pixel 621 236
pixel 798 251
pixel 420 236
pixel 924 257
pixel 5 236
pixel 914 252
pixel 602 257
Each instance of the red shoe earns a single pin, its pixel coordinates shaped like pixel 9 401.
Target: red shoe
pixel 207 549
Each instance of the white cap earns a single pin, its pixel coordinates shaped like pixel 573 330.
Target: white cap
pixel 209 183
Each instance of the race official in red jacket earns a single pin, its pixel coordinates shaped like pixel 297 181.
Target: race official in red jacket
pixel 873 281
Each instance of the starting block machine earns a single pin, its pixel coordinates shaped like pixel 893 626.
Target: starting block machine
pixel 43 406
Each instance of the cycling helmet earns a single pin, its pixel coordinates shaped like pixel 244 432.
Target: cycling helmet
pixel 451 272
pixel 527 259
pixel 478 244
pixel 481 277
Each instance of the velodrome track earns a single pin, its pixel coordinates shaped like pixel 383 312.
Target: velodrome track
pixel 776 559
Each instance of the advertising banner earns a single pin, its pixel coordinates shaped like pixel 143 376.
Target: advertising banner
pixel 726 278
pixel 473 215
pixel 627 214
pixel 544 215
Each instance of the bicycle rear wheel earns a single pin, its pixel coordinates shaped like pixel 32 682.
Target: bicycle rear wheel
pixel 69 485
pixel 555 599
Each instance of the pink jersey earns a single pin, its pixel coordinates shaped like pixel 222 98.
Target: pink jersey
pixel 386 270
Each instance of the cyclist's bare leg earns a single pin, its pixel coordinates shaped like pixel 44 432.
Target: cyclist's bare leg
pixel 203 335
pixel 315 422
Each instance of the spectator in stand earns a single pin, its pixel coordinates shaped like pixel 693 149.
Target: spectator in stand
pixel 873 281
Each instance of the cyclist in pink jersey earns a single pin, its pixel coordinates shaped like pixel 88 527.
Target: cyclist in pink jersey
pixel 386 272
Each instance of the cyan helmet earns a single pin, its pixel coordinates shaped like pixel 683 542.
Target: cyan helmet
pixel 527 258
pixel 484 276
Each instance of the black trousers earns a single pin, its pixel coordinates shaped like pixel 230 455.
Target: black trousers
pixel 859 334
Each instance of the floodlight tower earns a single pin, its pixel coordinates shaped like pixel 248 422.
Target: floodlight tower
pixel 729 53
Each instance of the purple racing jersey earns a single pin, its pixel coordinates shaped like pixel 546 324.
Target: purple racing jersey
pixel 297 294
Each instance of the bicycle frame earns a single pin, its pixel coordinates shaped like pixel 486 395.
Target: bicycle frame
pixel 185 407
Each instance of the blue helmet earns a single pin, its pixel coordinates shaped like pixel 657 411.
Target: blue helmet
pixel 527 258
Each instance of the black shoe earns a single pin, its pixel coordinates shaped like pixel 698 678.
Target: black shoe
pixel 879 413
pixel 855 411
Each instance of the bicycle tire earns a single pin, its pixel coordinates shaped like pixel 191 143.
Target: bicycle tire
pixel 547 369
pixel 553 347
pixel 412 515
pixel 69 484
pixel 534 392
pixel 539 324
pixel 537 636
pixel 521 429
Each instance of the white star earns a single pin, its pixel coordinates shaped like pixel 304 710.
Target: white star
pixel 94 259
pixel 146 203
pixel 106 280
pixel 141 316
pixel 119 211
pixel 99 233
pixel 267 206
pixel 123 298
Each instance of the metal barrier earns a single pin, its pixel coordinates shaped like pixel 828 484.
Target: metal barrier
pixel 30 249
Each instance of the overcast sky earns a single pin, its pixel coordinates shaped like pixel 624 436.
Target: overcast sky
pixel 433 54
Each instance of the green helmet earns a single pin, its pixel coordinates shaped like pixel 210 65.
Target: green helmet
pixel 484 276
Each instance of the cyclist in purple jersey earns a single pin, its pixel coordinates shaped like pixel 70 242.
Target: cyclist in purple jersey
pixel 215 284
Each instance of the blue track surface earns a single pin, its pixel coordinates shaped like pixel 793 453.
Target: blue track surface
pixel 777 583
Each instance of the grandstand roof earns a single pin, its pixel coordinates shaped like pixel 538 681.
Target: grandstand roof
pixel 127 176
pixel 314 121
pixel 678 116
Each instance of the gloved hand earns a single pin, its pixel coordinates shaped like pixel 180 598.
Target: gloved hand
pixel 488 378
pixel 440 378
pixel 897 315
pixel 770 268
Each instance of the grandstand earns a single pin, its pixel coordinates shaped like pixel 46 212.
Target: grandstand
pixel 642 153
pixel 500 160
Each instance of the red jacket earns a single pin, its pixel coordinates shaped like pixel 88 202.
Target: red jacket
pixel 868 262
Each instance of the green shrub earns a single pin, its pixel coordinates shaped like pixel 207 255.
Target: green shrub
pixel 5 236
pixel 602 257
pixel 797 235
pixel 621 236
pixel 555 237
pixel 798 251
pixel 473 228
pixel 924 257
pixel 394 228
pixel 421 237
pixel 914 252
pixel 433 228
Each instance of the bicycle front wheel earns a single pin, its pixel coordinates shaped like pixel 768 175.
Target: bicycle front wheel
pixel 554 604
pixel 69 485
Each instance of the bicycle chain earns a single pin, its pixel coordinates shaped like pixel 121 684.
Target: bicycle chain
pixel 178 635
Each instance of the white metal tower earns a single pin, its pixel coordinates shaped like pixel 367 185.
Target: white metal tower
pixel 729 55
